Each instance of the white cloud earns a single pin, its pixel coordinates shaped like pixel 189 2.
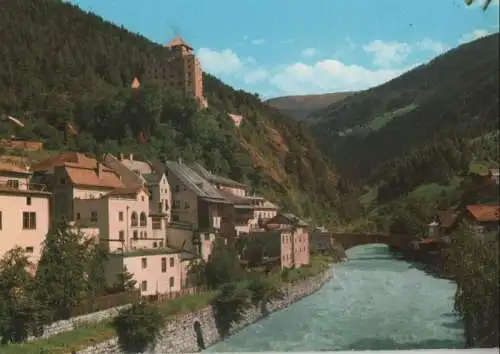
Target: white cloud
pixel 474 34
pixel 219 63
pixel 431 45
pixel 329 75
pixel 288 41
pixel 256 75
pixel 258 41
pixel 309 52
pixel 387 54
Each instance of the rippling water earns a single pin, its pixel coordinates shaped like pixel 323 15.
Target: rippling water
pixel 373 302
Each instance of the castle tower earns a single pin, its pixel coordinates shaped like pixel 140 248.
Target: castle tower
pixel 184 69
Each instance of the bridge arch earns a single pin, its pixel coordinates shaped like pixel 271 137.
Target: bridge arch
pixel 350 240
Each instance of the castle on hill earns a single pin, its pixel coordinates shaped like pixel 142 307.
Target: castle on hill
pixel 181 69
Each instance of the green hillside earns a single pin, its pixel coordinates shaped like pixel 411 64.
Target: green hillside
pixel 60 66
pixel 418 136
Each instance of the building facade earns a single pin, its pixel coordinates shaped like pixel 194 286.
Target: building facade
pixel 24 212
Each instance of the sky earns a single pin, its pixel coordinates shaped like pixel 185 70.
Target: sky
pixel 288 47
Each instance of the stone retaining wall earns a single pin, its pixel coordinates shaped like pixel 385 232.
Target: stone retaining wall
pixel 72 323
pixel 179 336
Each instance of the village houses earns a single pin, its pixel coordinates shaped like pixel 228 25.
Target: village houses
pixel 153 218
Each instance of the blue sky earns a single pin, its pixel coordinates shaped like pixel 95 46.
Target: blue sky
pixel 280 47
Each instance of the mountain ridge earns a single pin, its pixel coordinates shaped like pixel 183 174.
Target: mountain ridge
pixel 300 107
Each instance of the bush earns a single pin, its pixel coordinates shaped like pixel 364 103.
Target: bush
pixel 138 327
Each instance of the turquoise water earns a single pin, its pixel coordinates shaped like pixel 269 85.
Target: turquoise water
pixel 374 302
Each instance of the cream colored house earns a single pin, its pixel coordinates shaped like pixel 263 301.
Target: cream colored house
pixel 73 176
pixel 155 271
pixel 122 217
pixel 136 173
pixel 24 212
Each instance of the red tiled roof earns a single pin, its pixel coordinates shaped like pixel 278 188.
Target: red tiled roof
pixel 10 167
pixel 89 177
pixel 484 213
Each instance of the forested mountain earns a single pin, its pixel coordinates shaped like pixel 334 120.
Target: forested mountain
pixel 61 67
pixel 300 107
pixel 408 146
pixel 453 96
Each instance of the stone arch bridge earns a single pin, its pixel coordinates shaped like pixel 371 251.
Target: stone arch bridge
pixel 350 240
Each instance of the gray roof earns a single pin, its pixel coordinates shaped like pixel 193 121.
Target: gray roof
pixel 152 178
pixel 211 177
pixel 194 182
pixel 294 219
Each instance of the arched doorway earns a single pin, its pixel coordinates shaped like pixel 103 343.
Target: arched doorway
pixel 199 335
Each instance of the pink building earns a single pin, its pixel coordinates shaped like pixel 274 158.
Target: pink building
pixel 298 239
pixel 156 271
pixel 24 212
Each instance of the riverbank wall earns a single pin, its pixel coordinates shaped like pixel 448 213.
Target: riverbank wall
pixel 195 331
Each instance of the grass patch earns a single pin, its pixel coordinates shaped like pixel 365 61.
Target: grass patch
pixel 480 168
pixel 317 265
pixel 434 190
pixel 80 338
pixel 379 121
pixel 85 336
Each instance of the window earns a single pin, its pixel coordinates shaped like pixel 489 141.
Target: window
pixel 0 220
pixel 171 282
pixel 13 183
pixel 161 244
pixel 163 265
pixel 29 249
pixel 172 261
pixel 133 219
pixel 28 200
pixel 93 216
pixel 176 204
pixel 155 244
pixel 142 198
pixel 156 223
pixel 177 189
pixel 120 216
pixel 186 205
pixel 78 216
pixel 175 217
pixel 121 235
pixel 144 263
pixel 165 202
pixel 62 180
pixel 144 285
pixel 134 235
pixel 144 219
pixel 29 220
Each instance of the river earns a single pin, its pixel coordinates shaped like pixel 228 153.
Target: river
pixel 374 302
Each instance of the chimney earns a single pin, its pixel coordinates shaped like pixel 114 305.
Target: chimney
pixel 131 157
pixel 99 169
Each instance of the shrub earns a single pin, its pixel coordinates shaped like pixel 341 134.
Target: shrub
pixel 138 327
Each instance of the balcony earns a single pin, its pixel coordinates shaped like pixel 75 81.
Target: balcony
pixel 24 186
